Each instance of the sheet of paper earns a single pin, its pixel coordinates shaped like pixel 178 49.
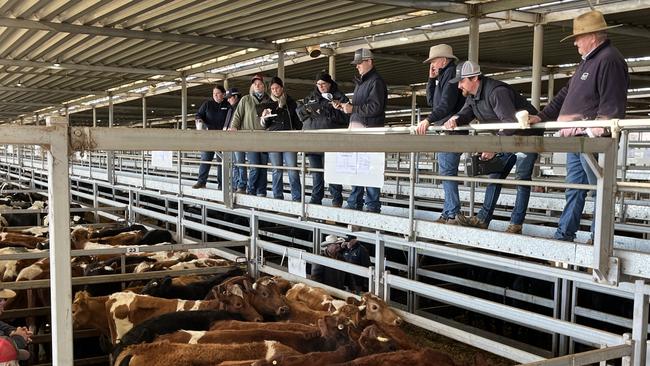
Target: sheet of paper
pixel 162 159
pixel 298 267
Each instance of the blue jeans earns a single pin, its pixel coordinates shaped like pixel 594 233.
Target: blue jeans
pixel 257 176
pixel 577 171
pixel 448 166
pixel 290 160
pixel 239 173
pixel 356 199
pixel 318 182
pixel 204 169
pixel 525 163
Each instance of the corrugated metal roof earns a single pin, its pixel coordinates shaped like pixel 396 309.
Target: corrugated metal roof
pixel 102 44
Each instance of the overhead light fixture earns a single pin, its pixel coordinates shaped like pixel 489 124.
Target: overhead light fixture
pixel 193 105
pixel 19 84
pixel 314 51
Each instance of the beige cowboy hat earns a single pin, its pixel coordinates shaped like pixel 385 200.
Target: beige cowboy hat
pixel 589 22
pixel 440 50
pixel 331 239
pixel 7 294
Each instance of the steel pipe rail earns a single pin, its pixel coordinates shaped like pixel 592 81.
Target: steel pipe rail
pixel 522 317
pixel 88 138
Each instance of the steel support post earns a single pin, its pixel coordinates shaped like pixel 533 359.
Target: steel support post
pixel 331 60
pixel 316 233
pixel 226 171
pixel 566 301
pixel 414 104
pixel 253 251
pixel 411 228
pixel 412 263
pixel 59 212
pixel 110 169
pixel 130 216
pixel 640 323
pixel 281 65
pixel 624 144
pixel 144 125
pixel 303 182
pixel 96 201
pixel 94 116
pixel 538 46
pixel 226 83
pixel 551 85
pixel 183 101
pixel 180 228
pixel 474 24
pixel 204 221
pixel 380 264
pixel 604 271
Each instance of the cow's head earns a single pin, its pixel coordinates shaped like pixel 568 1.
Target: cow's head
pixel 267 297
pixel 157 287
pixel 81 314
pixel 373 340
pixel 234 301
pixel 375 309
pixel 334 330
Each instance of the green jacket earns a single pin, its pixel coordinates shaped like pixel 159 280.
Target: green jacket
pixel 246 117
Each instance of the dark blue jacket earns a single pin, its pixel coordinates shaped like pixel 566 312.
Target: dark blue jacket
pixel 370 100
pixel 496 102
pixel 598 88
pixel 444 97
pixel 213 113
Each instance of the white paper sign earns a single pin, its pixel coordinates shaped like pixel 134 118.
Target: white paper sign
pixel 162 159
pixel 355 169
pixel 298 267
pixel 10 149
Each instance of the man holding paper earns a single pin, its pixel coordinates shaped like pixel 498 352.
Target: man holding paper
pixel 211 116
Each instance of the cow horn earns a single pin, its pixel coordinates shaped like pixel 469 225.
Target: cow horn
pixel 382 339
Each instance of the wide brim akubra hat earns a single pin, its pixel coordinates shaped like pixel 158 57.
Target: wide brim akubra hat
pixel 440 50
pixel 589 22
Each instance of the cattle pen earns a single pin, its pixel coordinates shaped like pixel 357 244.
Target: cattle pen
pixel 619 272
pixel 103 222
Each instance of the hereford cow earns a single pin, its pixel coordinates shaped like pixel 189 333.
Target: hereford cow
pixel 314 297
pixel 263 294
pixel 127 309
pixel 423 357
pixel 10 239
pixel 149 329
pixel 165 353
pixel 236 325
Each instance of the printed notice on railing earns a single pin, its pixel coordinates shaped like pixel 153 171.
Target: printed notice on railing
pixel 162 159
pixel 358 169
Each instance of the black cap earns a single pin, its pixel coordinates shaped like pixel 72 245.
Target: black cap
pixel 276 80
pixel 323 75
pixel 231 92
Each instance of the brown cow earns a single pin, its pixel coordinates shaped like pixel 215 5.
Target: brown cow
pixel 10 239
pixel 263 294
pixel 165 353
pixel 375 309
pixel 423 357
pixel 127 309
pixel 301 342
pixel 239 325
pixel 314 297
pixel 90 312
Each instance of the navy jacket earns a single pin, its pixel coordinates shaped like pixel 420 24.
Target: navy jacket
pixel 444 97
pixel 213 113
pixel 370 100
pixel 317 113
pixel 496 102
pixel 598 89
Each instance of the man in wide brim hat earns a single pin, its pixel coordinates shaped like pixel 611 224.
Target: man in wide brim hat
pixel 7 294
pixel 589 22
pixel 440 50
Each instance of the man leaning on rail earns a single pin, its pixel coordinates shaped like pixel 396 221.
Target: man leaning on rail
pixel 445 100
pixel 597 90
pixel 491 101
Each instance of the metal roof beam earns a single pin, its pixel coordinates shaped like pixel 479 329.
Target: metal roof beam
pixel 26 104
pixel 51 91
pixel 82 67
pixel 444 6
pixel 129 33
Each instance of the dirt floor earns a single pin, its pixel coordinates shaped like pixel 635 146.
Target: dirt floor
pixel 461 353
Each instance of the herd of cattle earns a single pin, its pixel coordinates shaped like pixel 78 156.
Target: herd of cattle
pixel 231 319
pixel 223 319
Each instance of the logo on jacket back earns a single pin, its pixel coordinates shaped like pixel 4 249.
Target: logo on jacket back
pixel 584 76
